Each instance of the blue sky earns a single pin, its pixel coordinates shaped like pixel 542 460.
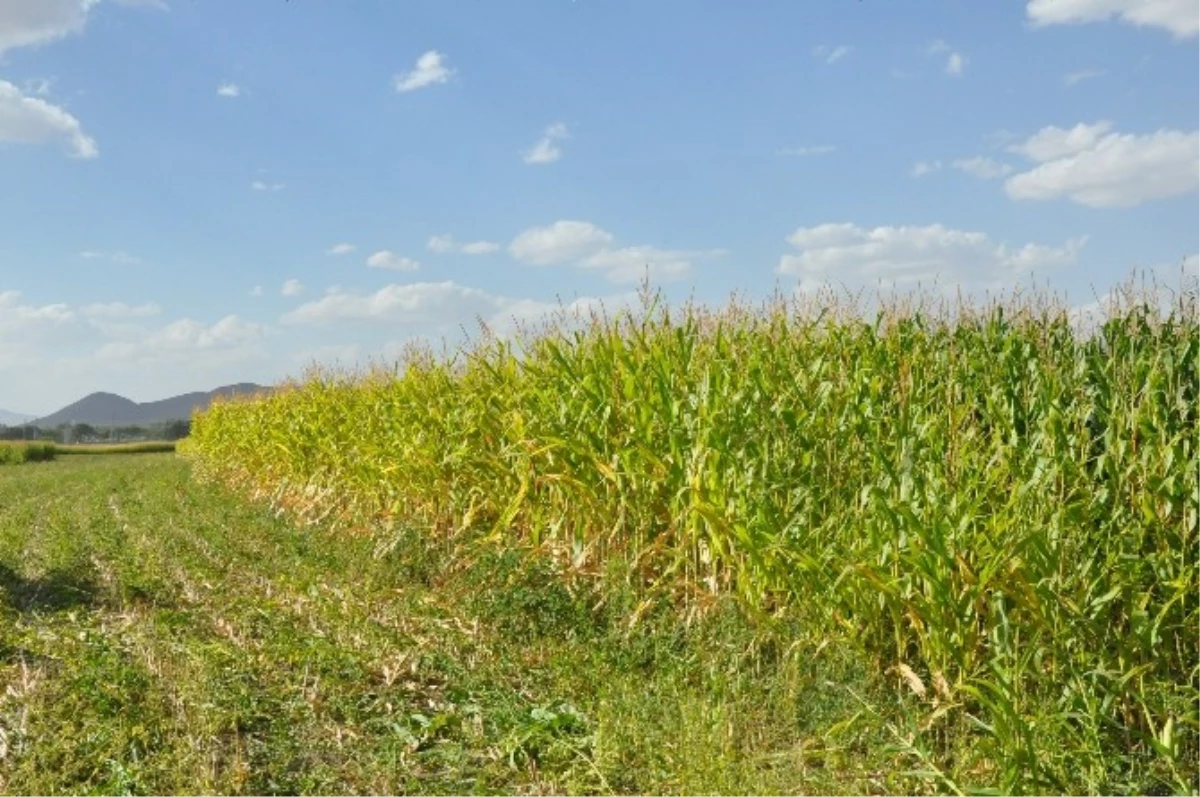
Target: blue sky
pixel 197 192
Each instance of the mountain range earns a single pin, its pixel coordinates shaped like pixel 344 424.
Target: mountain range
pixel 109 409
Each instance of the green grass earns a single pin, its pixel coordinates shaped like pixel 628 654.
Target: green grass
pixel 160 636
pixel 995 511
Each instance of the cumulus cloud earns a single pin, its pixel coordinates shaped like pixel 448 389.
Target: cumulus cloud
pixel 341 249
pixel 31 22
pixel 446 304
pixel 445 244
pixel 259 185
pixel 632 263
pixel 419 302
pixel 120 310
pixel 1094 166
pixel 229 90
pixel 186 337
pixel 27 23
pixel 390 260
pixel 1055 142
pixel 16 316
pixel 257 291
pixel 983 168
pixel 1180 17
pixel 32 120
pixel 545 150
pixel 585 245
pixel 898 257
pixel 956 62
pixel 292 287
pixel 53 353
pixel 430 70
pixel 559 242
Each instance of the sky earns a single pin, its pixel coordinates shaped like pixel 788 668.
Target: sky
pixel 200 192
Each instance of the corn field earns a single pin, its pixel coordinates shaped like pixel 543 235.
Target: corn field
pixel 16 453
pixel 999 510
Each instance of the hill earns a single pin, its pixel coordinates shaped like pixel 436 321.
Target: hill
pixel 109 409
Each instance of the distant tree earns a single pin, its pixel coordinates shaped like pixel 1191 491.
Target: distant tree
pixel 129 432
pixel 82 431
pixel 177 430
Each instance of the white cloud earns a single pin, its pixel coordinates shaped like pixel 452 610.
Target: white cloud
pixel 420 302
pixel 831 55
pixel 120 310
pixel 31 120
pixel 119 257
pixel 1093 166
pixel 390 260
pixel 54 353
pixel 15 316
pixel 922 168
pixel 229 90
pixel 632 263
pixel 545 150
pixel 185 337
pixel 1072 78
pixel 341 249
pixel 26 23
pixel 956 62
pixel 804 152
pixel 588 246
pixel 259 185
pixel 983 168
pixel 257 291
pixel 446 304
pixel 292 287
pixel 561 241
pixel 1180 17
pixel 429 70
pixel 1055 142
pixel 895 257
pixel 445 244
pixel 30 22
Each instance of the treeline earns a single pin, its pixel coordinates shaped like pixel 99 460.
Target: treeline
pixel 67 434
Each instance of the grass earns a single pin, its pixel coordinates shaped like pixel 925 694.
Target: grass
pixel 995 511
pixel 160 636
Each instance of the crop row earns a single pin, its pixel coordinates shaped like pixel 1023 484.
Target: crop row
pixel 1000 511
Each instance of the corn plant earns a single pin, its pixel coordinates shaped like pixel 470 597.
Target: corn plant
pixel 998 508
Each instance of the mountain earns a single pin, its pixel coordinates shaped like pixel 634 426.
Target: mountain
pixel 13 418
pixel 109 409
